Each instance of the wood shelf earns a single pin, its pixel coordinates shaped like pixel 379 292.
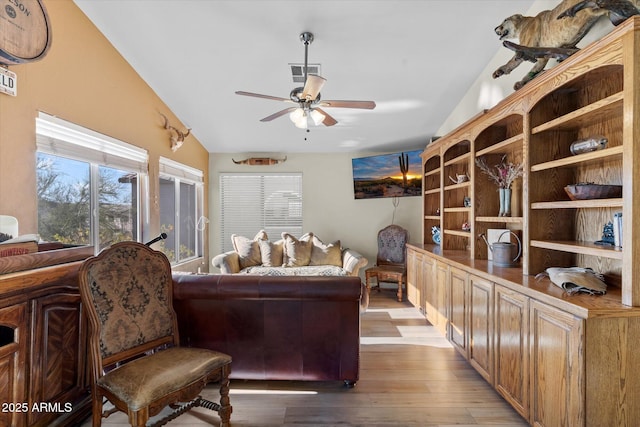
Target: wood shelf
pixel 608 107
pixel 589 94
pixel 457 186
pixel 579 247
pixel 432 172
pixel 457 233
pixel 432 217
pixel 578 204
pixel 613 152
pixel 457 209
pixel 498 147
pixel 500 219
pixel 460 159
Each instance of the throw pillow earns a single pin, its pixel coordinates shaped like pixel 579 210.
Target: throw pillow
pixel 297 252
pixel 248 250
pixel 329 254
pixel 271 253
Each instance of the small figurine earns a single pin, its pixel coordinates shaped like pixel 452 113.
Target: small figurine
pixel 435 234
pixel 607 235
pixel 466 226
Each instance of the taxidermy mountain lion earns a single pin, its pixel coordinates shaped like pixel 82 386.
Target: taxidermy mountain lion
pixel 545 30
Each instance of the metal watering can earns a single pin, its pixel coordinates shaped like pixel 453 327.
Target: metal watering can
pixel 503 251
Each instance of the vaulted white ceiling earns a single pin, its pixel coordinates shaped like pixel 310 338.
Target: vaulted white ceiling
pixel 414 58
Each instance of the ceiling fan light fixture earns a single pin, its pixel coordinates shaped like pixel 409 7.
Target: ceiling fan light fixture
pixel 296 115
pixel 299 118
pixel 317 117
pixel 302 123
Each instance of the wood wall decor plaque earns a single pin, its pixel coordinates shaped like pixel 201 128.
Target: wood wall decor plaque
pixel 25 32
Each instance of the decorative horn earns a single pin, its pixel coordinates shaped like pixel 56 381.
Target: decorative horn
pixel 259 161
pixel 177 136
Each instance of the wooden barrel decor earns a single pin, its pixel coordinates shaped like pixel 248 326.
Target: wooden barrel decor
pixel 25 33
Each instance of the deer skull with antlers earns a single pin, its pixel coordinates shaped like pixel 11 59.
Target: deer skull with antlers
pixel 177 136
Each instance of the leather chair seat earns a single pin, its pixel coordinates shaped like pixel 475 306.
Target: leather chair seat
pixel 142 381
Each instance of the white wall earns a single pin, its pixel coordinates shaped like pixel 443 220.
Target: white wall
pixel 330 211
pixel 487 91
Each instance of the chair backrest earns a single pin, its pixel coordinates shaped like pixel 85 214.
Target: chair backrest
pixel 391 245
pixel 127 293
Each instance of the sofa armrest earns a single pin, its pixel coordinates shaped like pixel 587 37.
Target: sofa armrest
pixel 228 262
pixel 352 262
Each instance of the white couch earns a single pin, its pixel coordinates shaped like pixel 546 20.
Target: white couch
pixel 289 256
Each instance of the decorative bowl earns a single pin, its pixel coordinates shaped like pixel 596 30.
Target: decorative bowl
pixel 588 190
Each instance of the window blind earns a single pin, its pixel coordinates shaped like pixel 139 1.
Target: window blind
pixel 250 202
pixel 178 170
pixel 62 138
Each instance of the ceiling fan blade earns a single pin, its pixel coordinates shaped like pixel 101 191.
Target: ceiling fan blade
pixel 257 95
pixel 278 114
pixel 367 105
pixel 328 120
pixel 313 86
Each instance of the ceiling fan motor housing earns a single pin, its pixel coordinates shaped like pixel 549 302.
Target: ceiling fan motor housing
pixel 296 96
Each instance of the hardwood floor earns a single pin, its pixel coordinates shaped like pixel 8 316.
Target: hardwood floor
pixel 409 376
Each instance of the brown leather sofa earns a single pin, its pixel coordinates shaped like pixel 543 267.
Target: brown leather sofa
pixel 274 328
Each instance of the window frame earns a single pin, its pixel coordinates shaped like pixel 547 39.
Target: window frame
pixel 64 139
pixel 183 174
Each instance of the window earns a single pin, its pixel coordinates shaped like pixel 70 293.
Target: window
pixel 181 199
pixel 88 185
pixel 252 202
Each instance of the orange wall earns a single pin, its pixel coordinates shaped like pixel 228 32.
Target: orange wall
pixel 84 80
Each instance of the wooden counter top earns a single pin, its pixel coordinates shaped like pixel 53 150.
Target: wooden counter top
pixel 581 305
pixel 45 258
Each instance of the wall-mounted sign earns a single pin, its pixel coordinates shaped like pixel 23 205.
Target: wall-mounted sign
pixel 8 82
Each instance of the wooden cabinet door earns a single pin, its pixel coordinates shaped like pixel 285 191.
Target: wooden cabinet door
pixel 421 272
pixel 557 367
pixel 436 302
pixel 13 347
pixel 427 281
pixel 458 309
pixel 512 348
pixel 481 326
pixel 413 272
pixel 58 356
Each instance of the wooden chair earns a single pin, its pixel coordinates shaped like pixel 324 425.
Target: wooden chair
pixel 391 265
pixel 137 363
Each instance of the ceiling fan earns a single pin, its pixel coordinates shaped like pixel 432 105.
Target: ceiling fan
pixel 308 99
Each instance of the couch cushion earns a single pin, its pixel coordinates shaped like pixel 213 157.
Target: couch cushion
pixel 316 270
pixel 271 253
pixel 248 250
pixel 297 252
pixel 325 254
